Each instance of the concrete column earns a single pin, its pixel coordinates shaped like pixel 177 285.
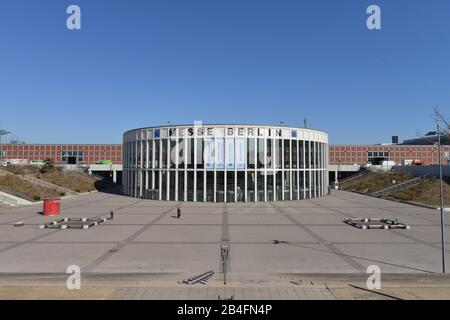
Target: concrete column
pixel 115 176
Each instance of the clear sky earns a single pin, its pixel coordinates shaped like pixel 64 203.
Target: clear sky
pixel 142 63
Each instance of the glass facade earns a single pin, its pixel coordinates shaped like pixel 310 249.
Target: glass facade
pixel 225 163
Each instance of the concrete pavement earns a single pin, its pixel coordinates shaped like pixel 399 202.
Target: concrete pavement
pixel 267 240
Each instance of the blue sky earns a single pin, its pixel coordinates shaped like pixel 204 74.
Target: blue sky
pixel 142 63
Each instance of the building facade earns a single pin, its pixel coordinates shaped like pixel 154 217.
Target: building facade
pixel 225 163
pixel 338 154
pixel 362 154
pixel 62 153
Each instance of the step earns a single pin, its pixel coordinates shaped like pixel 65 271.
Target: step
pixel 403 185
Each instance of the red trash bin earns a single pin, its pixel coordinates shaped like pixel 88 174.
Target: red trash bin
pixel 52 206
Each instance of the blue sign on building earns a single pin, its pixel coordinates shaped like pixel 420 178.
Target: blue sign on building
pixel 157 133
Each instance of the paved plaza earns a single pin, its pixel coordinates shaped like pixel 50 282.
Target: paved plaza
pixel 146 237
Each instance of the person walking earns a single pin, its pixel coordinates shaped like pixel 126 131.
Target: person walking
pixel 111 215
pixel 178 213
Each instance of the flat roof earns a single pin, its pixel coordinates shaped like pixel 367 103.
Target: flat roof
pixel 225 125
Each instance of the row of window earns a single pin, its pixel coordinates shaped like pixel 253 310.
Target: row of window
pixel 62 147
pixel 227 153
pixel 335 148
pixel 378 154
pixel 225 186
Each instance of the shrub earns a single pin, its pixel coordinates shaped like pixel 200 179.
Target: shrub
pixel 36 198
pixel 48 165
pixel 62 194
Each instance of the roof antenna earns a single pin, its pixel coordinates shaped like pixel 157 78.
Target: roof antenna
pixel 305 122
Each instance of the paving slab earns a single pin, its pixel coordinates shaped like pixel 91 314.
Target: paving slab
pixel 101 233
pixel 181 233
pixel 162 258
pixel 269 233
pixel 188 219
pixel 256 219
pixel 395 258
pixel 49 257
pixel 269 258
pixel 144 237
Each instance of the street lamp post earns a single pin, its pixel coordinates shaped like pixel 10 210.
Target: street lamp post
pixel 441 191
pixel 2 133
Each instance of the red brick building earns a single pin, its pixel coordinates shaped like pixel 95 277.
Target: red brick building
pixel 361 154
pixel 64 153
pixel 338 154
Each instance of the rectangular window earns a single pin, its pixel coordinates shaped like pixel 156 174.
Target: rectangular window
pixel 181 153
pixel 294 153
pixel 278 185
pixel 199 184
pixel 319 155
pixel 138 154
pixel 307 155
pixel 240 188
pixel 278 153
pixel 190 185
pixel 164 153
pixel 150 154
pixel 261 154
pixel 287 185
pixel 229 154
pixel 307 189
pixel 180 185
pixel 150 189
pixel 301 179
pixel 260 182
pixel 230 186
pixel 172 185
pixel 210 186
pixel 220 186
pixel 294 185
pixel 269 154
pixel 190 153
pixel 301 154
pixel 240 154
pixel 269 187
pixel 318 184
pixel 156 191
pixel 164 185
pixel 172 153
pixel 251 186
pixel 315 156
pixel 208 153
pixel 144 153
pixel 251 161
pixel 156 161
pixel 219 152
pixel 200 163
pixel 287 154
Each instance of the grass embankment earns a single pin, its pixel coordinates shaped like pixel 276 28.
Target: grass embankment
pixel 426 192
pixel 24 189
pixel 374 181
pixel 76 181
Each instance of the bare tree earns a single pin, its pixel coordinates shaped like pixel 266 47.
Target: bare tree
pixel 442 121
